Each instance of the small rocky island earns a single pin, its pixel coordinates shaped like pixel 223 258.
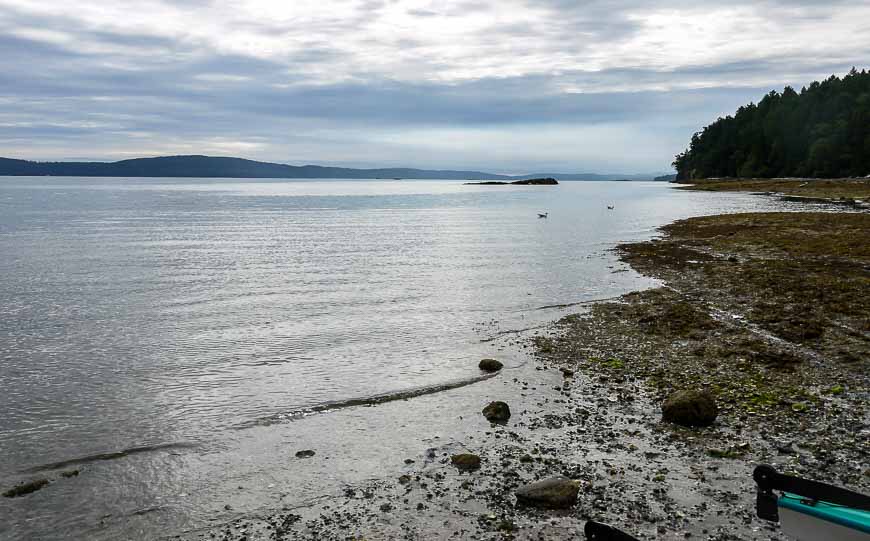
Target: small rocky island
pixel 527 182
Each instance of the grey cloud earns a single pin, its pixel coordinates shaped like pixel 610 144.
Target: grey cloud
pixel 488 102
pixel 141 89
pixel 469 7
pixel 422 13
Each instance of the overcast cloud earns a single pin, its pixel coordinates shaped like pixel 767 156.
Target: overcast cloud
pixel 507 85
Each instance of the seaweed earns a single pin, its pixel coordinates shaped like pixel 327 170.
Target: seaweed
pixel 26 488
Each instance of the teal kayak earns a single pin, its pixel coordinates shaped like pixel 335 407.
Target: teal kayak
pixel 810 510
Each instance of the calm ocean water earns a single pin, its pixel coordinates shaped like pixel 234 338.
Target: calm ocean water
pixel 192 322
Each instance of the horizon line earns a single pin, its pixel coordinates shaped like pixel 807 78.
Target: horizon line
pixel 484 170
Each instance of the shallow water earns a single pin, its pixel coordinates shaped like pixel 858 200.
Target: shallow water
pixel 165 336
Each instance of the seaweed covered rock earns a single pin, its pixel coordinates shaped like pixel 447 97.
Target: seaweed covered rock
pixel 466 461
pixel 26 488
pixel 490 365
pixel 690 408
pixel 554 493
pixel 497 412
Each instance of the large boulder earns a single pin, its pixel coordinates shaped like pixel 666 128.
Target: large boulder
pixel 490 365
pixel 690 408
pixel 497 412
pixel 553 493
pixel 466 461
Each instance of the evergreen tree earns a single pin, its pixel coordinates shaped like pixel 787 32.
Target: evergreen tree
pixel 823 131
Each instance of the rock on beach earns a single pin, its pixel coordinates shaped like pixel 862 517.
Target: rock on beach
pixel 466 461
pixel 490 365
pixel 690 408
pixel 554 493
pixel 497 412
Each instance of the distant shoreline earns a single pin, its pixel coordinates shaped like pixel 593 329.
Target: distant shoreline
pixel 854 192
pixel 229 167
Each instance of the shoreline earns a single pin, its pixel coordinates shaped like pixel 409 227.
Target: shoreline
pixel 851 192
pixel 593 395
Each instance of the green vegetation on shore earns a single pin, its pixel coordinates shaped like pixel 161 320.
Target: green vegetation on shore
pixel 765 311
pixel 823 131
pixel 796 282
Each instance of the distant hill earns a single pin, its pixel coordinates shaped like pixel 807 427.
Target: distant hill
pixel 823 131
pixel 224 167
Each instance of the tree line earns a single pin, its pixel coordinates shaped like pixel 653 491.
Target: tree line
pixel 823 131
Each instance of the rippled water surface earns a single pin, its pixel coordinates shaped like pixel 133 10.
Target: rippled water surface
pixel 204 316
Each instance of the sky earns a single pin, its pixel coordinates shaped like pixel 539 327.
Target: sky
pixel 510 86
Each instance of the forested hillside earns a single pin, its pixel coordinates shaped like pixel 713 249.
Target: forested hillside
pixel 823 131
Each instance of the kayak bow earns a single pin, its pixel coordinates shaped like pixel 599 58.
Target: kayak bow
pixel 810 510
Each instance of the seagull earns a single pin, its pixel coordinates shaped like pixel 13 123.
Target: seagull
pixel 544 215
